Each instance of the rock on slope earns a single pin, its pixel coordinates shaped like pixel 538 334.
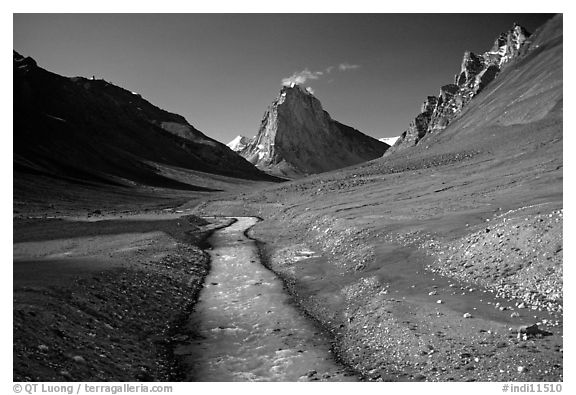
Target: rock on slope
pixel 82 130
pixel 476 72
pixel 298 137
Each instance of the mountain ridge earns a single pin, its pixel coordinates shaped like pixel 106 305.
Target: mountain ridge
pixel 476 73
pixel 89 130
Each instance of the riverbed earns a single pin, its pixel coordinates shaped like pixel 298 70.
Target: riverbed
pixel 247 327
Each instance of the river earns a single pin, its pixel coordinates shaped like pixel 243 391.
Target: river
pixel 246 326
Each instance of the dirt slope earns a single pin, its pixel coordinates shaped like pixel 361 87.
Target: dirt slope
pixel 107 306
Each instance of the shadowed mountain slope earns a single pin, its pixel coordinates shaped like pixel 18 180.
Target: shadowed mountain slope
pixel 91 131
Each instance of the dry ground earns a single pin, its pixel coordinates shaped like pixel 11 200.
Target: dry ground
pixel 426 266
pixel 105 298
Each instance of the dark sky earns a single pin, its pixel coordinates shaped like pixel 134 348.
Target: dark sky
pixel 221 71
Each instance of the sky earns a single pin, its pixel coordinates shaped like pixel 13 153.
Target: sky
pixel 221 71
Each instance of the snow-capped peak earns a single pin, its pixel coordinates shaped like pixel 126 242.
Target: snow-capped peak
pixel 389 140
pixel 238 143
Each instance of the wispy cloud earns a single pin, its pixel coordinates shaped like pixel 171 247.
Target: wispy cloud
pixel 301 77
pixel 347 66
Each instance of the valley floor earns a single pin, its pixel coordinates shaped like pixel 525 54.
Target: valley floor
pixel 435 267
pixel 438 266
pixel 397 313
pixel 108 305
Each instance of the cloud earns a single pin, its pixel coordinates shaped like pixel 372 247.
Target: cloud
pixel 301 77
pixel 310 90
pixel 347 66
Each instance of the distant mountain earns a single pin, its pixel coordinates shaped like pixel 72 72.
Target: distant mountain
pixel 239 143
pixel 89 130
pixel 476 73
pixel 389 140
pixel 297 137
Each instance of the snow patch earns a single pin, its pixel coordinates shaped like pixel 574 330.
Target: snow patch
pixel 238 144
pixel 389 140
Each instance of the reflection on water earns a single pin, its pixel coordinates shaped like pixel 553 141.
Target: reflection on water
pixel 249 329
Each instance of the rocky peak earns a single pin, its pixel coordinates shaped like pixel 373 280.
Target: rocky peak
pixel 499 43
pixel 471 66
pixel 297 137
pixel 507 45
pixel 389 140
pixel 429 105
pixel 295 97
pixel 476 72
pixel 294 91
pixel 447 92
pixel 239 143
pixel 518 35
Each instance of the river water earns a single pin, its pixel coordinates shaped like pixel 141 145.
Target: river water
pixel 248 329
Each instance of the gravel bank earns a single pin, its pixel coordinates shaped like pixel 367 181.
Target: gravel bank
pixel 119 324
